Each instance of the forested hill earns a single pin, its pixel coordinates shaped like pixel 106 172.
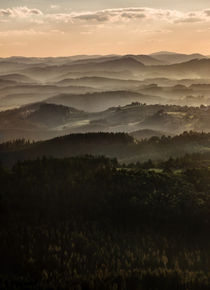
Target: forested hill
pixel 115 145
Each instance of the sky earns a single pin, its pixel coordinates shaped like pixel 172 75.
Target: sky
pixel 70 27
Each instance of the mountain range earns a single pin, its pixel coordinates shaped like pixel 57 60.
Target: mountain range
pixel 41 98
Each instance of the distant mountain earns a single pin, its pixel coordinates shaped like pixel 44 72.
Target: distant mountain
pixel 164 52
pixel 167 92
pixel 195 68
pixel 172 58
pixel 147 59
pixel 122 75
pixel 95 59
pixel 8 66
pixel 47 72
pixel 117 64
pixel 7 83
pixel 17 78
pixel 200 87
pixel 100 82
pixel 21 94
pixel 99 101
pixel 159 78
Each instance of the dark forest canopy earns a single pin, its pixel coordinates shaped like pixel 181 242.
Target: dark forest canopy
pixel 86 223
pixel 120 145
pixel 76 182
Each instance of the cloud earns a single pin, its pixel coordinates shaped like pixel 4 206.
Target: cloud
pixel 193 17
pixel 189 20
pixel 53 6
pixel 134 14
pixel 142 21
pixel 131 15
pixel 99 16
pixel 123 14
pixel 207 12
pixel 20 12
pixel 110 15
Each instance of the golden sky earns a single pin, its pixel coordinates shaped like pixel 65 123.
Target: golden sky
pixel 58 30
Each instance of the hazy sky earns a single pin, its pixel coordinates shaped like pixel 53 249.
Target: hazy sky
pixel 64 27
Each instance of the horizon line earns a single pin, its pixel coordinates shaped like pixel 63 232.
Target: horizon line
pixel 109 54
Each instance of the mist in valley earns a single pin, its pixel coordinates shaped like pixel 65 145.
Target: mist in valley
pixel 42 98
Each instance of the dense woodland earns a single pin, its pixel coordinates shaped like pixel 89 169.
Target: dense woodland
pixel 93 223
pixel 126 148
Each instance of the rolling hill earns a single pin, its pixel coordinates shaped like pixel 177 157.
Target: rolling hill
pixel 41 121
pixel 172 57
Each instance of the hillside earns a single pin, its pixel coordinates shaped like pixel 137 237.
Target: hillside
pixel 41 121
pixel 99 101
pixel 114 145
